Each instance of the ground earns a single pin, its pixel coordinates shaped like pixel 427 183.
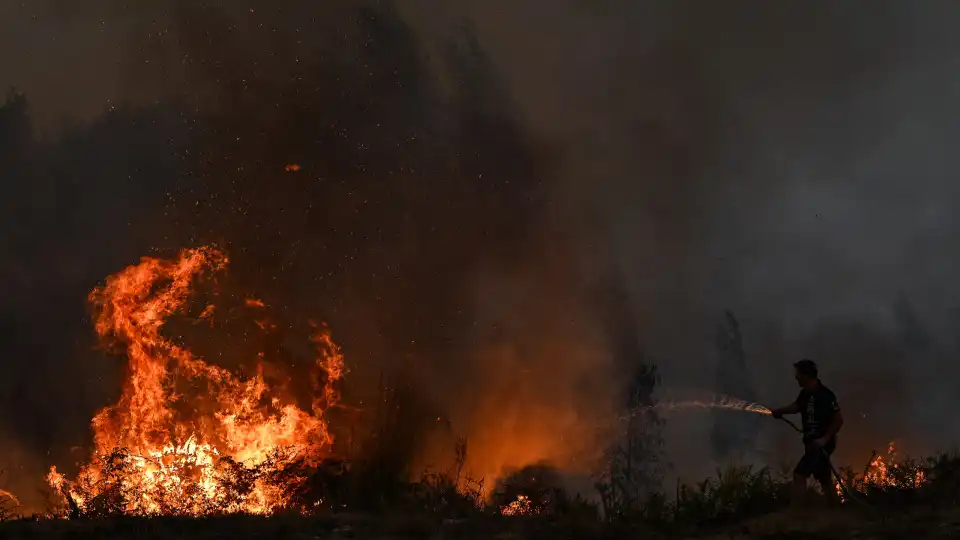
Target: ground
pixel 815 524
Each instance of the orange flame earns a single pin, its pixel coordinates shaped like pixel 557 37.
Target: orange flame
pixel 208 312
pixel 522 506
pixel 183 426
pixel 885 472
pixel 7 496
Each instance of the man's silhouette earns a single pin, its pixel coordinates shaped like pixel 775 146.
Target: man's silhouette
pixel 820 414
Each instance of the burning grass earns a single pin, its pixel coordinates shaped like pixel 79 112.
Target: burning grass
pixel 531 503
pixel 884 474
pixel 738 502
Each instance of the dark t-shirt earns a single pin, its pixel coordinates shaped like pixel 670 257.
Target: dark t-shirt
pixel 817 408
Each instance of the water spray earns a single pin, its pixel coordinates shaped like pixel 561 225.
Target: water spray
pixel 714 402
pixel 736 404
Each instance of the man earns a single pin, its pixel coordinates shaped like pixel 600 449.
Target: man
pixel 820 414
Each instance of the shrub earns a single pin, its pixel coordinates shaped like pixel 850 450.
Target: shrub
pixel 736 493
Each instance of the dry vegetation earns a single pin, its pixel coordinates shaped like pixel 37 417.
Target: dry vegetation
pixel 370 495
pixel 298 489
pixel 367 499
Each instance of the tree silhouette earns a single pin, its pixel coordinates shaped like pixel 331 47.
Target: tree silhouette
pixel 733 434
pixel 634 463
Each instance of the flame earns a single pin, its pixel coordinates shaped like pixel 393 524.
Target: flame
pixel 7 496
pixel 293 167
pixel 885 472
pixel 208 312
pixel 522 506
pixel 188 437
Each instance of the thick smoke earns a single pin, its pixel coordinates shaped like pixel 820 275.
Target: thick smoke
pixel 474 177
pixel 417 222
pixel 789 162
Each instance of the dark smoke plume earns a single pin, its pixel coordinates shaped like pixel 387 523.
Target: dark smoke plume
pixel 347 181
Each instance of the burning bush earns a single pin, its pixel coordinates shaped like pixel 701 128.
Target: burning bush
pixel 884 475
pixel 188 437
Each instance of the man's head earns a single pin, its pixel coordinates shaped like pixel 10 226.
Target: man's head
pixel 805 371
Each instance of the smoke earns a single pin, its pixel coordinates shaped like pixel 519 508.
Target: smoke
pixel 473 178
pixel 788 162
pixel 417 222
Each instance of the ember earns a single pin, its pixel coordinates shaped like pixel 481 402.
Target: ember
pixel 228 448
pixel 523 506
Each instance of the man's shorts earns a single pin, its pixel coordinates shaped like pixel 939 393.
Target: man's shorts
pixel 816 463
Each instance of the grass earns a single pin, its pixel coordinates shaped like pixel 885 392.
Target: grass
pixel 371 496
pixel 738 502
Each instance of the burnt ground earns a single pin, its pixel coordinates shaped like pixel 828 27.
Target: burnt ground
pixel 817 524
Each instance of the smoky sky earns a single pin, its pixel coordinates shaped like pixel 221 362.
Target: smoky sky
pixel 477 177
pixel 789 162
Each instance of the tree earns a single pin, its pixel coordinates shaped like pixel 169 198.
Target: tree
pixel 634 464
pixel 733 434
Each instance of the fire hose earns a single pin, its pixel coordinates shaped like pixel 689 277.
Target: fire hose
pixel 848 493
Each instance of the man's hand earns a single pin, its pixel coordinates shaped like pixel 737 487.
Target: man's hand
pixel 776 413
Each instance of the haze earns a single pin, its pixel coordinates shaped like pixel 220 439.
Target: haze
pixel 792 163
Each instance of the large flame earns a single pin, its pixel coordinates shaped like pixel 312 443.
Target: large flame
pixel 188 437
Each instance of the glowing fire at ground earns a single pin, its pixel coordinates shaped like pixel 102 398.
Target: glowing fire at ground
pixel 188 437
pixel 523 506
pixel 886 472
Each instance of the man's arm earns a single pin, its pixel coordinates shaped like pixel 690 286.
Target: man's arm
pixel 792 408
pixel 836 422
pixel 835 426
